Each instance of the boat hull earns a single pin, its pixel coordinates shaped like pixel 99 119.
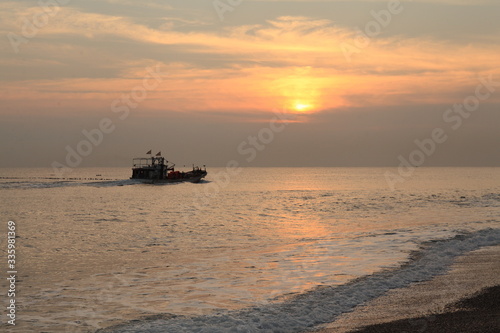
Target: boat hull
pixel 195 179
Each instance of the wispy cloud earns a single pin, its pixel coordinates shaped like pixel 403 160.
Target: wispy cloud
pixel 282 62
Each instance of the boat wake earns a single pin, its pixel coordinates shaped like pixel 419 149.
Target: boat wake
pixel 48 182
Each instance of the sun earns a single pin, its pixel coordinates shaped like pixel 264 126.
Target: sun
pixel 300 89
pixel 301 107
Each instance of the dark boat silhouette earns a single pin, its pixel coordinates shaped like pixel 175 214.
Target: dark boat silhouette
pixel 157 169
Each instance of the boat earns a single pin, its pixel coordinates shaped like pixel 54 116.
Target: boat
pixel 157 170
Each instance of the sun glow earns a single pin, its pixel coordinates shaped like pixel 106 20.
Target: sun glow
pixel 302 107
pixel 300 89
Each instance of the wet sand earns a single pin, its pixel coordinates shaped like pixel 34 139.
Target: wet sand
pixel 464 300
pixel 478 314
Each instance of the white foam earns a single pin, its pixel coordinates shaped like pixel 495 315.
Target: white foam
pixel 324 304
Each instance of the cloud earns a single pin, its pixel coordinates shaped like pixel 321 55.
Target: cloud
pixel 287 61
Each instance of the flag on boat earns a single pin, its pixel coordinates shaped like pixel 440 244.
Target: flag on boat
pixel 159 154
pixel 149 152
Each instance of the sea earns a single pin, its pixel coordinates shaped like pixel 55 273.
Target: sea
pixel 247 250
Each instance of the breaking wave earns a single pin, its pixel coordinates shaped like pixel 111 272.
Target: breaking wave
pixel 323 304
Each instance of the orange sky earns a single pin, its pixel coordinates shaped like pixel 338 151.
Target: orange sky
pixel 313 73
pixel 85 55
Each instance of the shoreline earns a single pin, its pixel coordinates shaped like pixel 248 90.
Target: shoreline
pixel 417 304
pixel 435 303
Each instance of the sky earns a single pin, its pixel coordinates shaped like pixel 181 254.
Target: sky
pixel 266 83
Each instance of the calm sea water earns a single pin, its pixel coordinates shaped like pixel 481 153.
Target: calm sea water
pixel 93 253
